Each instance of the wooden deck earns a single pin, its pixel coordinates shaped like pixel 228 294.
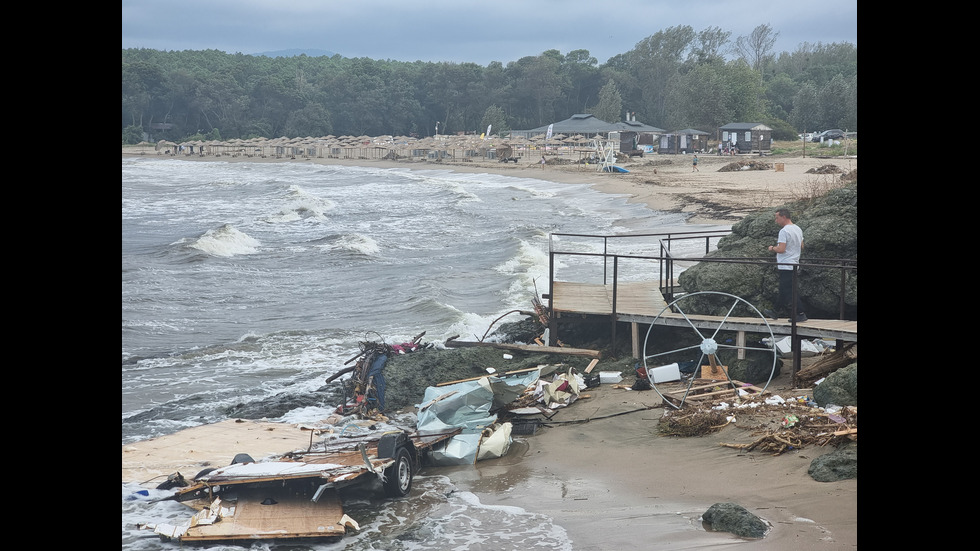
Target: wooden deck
pixel 634 298
pixel 642 303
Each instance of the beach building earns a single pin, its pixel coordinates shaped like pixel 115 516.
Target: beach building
pixel 584 124
pixel 588 126
pixel 688 140
pixel 747 137
pixel 642 130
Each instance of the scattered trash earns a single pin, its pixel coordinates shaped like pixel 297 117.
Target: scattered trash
pixel 784 347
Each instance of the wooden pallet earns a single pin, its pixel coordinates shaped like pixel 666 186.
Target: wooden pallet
pixel 705 390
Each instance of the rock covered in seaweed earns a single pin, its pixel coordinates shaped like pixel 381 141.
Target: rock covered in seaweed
pixel 829 225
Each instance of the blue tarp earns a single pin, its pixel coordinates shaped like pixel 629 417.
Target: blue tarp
pixel 467 405
pixel 377 366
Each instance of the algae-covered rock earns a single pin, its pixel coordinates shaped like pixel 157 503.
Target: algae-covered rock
pixel 839 388
pixel 840 464
pixel 730 517
pixel 829 225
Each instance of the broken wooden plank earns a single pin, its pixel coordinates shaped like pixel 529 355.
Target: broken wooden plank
pixel 591 365
pixel 272 512
pixel 525 370
pixel 452 343
pixel 193 449
pixel 710 391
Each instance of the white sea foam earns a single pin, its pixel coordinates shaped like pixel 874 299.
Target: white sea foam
pixel 225 241
pixel 356 243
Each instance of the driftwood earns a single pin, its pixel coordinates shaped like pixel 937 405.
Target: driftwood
pixel 339 373
pixel 453 343
pixel 773 443
pixel 841 357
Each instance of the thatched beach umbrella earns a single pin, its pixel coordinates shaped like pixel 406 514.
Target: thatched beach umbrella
pixel 163 144
pixel 144 146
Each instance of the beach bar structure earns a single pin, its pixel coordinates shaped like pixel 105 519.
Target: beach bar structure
pixel 584 124
pixel 588 126
pixel 748 137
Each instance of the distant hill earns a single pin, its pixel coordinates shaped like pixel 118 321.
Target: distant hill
pixel 297 51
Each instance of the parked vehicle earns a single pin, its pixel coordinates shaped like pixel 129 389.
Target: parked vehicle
pixel 832 134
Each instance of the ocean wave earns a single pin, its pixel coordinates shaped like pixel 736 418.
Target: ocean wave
pixel 442 516
pixel 533 192
pixel 225 241
pixel 448 181
pixel 352 242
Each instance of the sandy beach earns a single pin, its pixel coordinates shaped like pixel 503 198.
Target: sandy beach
pixel 611 480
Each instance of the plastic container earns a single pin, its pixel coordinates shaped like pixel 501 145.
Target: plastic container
pixel 608 377
pixel 665 373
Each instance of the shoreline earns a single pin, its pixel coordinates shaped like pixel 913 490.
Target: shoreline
pixel 665 183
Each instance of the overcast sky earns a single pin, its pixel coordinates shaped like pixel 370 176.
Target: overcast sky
pixel 466 30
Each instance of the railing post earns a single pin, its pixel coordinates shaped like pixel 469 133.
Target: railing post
pixel 793 313
pixel 615 292
pixel 552 323
pixel 605 258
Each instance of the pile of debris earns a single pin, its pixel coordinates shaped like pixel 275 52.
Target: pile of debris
pixel 776 425
pixel 364 390
pixel 825 169
pixel 746 165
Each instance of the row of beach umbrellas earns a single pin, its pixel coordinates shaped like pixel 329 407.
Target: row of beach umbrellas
pixel 317 145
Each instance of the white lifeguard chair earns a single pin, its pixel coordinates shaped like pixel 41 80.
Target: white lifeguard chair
pixel 607 157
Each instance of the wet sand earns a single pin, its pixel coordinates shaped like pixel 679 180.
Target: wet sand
pixel 615 483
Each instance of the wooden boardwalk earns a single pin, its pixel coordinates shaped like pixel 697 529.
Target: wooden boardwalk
pixel 642 302
pixel 634 298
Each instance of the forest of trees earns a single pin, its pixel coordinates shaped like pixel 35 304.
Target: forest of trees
pixel 676 78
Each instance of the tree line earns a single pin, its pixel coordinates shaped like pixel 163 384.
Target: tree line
pixel 674 79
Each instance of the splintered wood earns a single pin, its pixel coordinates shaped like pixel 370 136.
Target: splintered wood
pixel 775 427
pixel 703 390
pixel 800 426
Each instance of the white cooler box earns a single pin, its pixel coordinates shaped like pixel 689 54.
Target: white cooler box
pixel 665 373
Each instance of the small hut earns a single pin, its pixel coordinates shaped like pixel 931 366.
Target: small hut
pixel 687 140
pixel 746 137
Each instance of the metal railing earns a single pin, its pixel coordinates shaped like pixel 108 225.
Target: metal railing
pixel 668 261
pixel 663 240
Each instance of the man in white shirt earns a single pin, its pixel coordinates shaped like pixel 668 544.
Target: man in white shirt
pixel 789 245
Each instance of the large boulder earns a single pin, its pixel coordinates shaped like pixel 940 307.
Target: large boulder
pixel 829 225
pixel 840 388
pixel 840 464
pixel 731 517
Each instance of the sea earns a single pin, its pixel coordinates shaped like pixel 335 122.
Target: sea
pixel 243 281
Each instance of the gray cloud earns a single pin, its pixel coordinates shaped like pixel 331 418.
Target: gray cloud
pixel 464 30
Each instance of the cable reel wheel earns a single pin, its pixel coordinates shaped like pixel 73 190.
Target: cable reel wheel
pixel 707 345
